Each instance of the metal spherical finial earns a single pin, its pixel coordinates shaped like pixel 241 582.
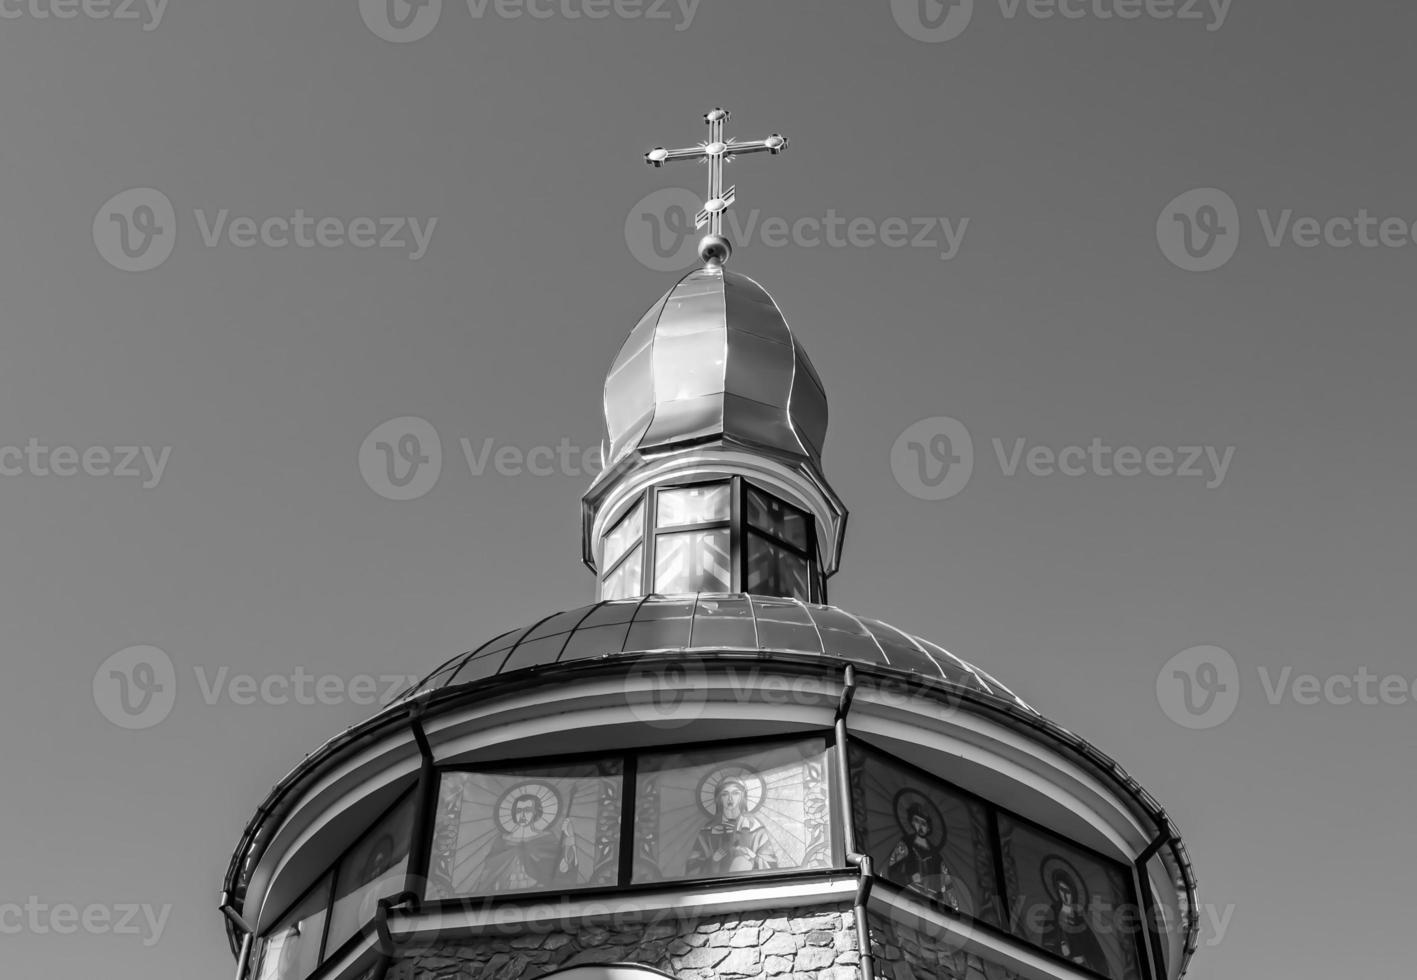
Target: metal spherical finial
pixel 716 115
pixel 715 249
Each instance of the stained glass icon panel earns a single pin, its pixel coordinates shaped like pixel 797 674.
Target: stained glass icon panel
pixel 1069 902
pixel 924 836
pixel 547 828
pixel 731 811
pixel 374 868
pixel 291 950
pixel 701 504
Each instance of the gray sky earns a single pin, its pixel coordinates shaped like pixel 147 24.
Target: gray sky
pixel 1058 320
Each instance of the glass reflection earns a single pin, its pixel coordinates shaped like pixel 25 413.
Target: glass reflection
pixel 735 811
pixel 923 836
pixel 776 571
pixel 625 533
pixel 373 869
pixel 1071 902
pixel 534 829
pixel 679 506
pixel 781 520
pixel 624 581
pixel 292 949
pixel 693 561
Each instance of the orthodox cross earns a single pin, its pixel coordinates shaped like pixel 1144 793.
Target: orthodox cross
pixel 716 151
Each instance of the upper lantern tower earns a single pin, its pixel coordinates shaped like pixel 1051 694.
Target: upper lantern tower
pixel 715 420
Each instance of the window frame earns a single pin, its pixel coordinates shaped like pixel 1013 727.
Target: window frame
pixel 739 532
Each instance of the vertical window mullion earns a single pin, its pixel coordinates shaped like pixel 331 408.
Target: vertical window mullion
pixel 650 541
pixel 737 550
pixel 330 908
pixel 628 813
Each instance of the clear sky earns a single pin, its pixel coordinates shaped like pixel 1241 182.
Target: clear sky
pixel 252 374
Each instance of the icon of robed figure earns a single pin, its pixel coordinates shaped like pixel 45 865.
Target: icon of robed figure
pixel 733 841
pixel 918 861
pixel 1066 931
pixel 536 850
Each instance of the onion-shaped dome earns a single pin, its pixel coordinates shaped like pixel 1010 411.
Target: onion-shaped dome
pixel 712 624
pixel 714 359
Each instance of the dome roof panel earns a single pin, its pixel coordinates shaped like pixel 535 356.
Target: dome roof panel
pixel 714 358
pixel 711 623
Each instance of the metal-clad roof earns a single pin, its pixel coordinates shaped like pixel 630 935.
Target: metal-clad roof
pixel 705 623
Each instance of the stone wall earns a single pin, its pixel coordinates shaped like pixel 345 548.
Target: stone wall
pixel 782 945
pixel 904 953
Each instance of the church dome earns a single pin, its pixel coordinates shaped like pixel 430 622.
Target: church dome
pixel 714 625
pixel 714 360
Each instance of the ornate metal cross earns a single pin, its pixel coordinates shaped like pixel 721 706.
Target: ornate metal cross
pixel 715 151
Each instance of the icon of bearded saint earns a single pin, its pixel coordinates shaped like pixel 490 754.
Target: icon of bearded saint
pixel 1066 931
pixel 918 860
pixel 733 841
pixel 535 851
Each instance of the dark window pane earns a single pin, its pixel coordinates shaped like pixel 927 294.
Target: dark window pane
pixel 373 869
pixel 719 812
pixel 546 828
pixel 625 533
pixel 776 571
pixel 291 950
pixel 923 836
pixel 778 518
pixel 692 561
pixel 1080 901
pixel 678 506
